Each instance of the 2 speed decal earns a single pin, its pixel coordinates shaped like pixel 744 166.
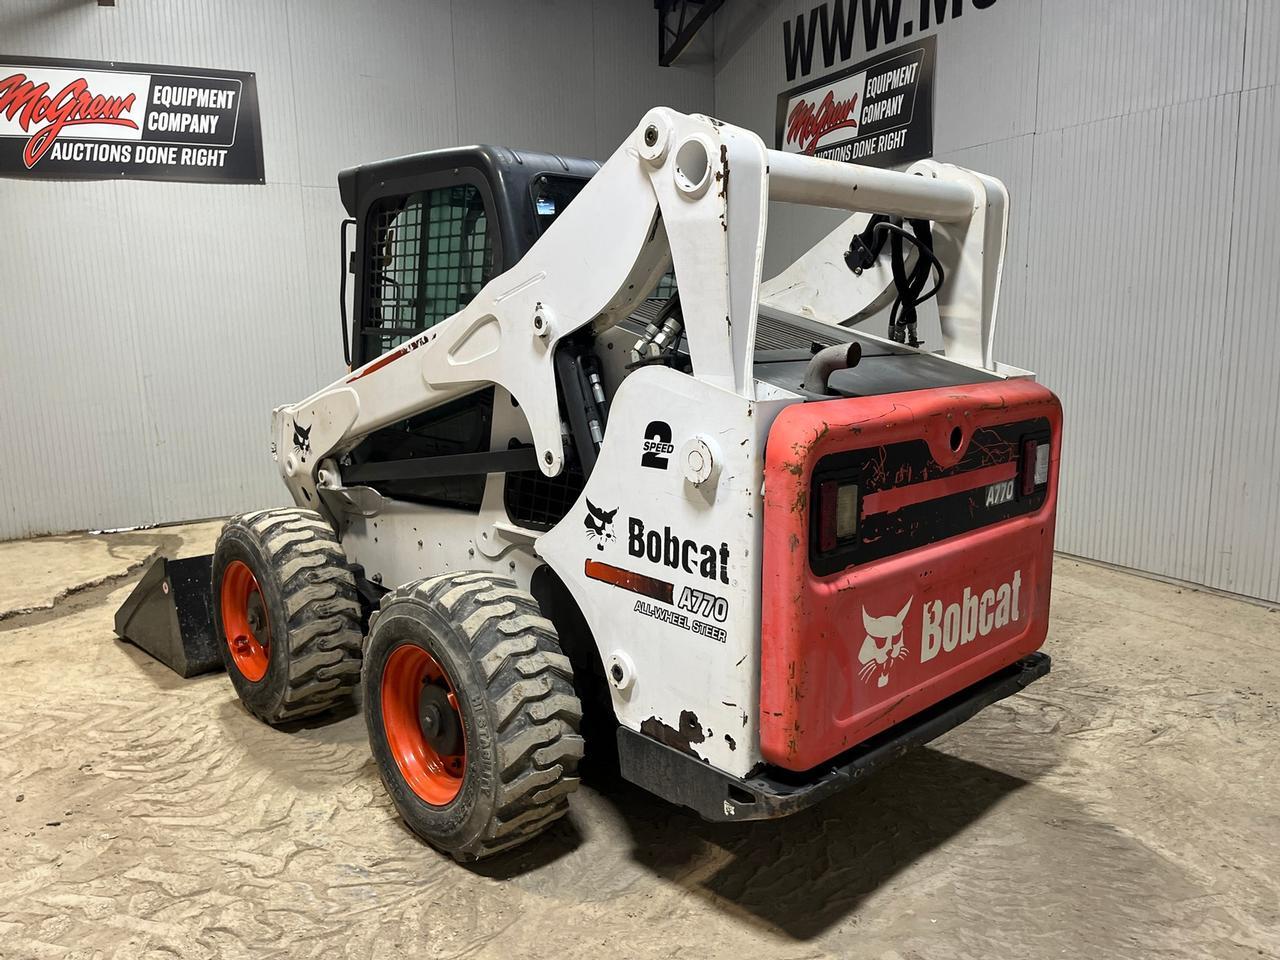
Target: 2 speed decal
pixel 657 445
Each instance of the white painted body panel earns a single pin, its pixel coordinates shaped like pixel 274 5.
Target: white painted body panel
pixel 677 669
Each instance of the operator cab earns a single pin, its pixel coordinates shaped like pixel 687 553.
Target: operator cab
pixel 433 228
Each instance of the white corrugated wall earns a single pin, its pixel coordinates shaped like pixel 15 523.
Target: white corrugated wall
pixel 149 328
pixel 1139 143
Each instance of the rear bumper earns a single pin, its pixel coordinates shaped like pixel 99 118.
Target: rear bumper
pixel 685 780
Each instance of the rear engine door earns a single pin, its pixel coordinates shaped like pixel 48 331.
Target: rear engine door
pixel 907 555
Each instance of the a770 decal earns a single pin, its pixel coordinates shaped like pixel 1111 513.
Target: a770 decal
pixel 693 609
pixel 703 604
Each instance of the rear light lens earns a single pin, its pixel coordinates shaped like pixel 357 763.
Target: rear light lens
pixel 837 513
pixel 846 511
pixel 1042 464
pixel 1035 465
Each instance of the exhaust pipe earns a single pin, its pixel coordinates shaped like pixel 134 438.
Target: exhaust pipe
pixel 827 361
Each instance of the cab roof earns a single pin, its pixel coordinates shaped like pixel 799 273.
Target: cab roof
pixel 507 169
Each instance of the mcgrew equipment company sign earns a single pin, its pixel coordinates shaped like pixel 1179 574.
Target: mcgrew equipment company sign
pixel 878 112
pixel 85 120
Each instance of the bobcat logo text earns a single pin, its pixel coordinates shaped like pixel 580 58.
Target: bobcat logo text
pixel 944 627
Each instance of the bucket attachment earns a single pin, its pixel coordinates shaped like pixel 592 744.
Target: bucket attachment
pixel 170 617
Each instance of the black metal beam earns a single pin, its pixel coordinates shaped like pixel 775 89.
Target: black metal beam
pixel 448 465
pixel 673 41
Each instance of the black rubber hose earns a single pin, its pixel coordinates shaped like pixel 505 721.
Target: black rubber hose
pixel 925 250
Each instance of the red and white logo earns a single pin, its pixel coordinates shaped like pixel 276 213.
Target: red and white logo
pixel 824 116
pixel 944 627
pixel 50 102
pixel 885 643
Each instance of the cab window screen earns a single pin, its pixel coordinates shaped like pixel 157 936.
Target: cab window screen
pixel 429 255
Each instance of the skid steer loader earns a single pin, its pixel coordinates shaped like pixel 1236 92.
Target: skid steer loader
pixel 589 477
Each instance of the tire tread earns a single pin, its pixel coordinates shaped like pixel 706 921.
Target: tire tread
pixel 529 684
pixel 321 609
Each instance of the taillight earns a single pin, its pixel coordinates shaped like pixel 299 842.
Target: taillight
pixel 1035 464
pixel 837 513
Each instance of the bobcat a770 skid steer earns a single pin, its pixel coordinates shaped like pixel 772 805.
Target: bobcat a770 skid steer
pixel 589 477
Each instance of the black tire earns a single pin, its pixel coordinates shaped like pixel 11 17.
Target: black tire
pixel 514 693
pixel 312 613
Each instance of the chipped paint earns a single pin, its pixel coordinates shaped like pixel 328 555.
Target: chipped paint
pixel 722 177
pixel 800 504
pixel 680 738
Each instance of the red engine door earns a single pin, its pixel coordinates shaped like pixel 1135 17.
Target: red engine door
pixel 944 578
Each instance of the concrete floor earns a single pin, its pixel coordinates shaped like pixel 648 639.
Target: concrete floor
pixel 1126 806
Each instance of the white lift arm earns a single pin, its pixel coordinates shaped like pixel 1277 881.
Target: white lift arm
pixel 682 189
pixel 971 218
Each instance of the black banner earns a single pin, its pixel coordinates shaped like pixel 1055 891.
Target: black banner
pixel 86 120
pixel 878 112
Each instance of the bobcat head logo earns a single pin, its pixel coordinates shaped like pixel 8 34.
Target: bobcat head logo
pixel 599 524
pixel 883 645
pixel 302 437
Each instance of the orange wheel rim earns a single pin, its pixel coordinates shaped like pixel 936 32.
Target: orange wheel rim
pixel 245 625
pixel 423 723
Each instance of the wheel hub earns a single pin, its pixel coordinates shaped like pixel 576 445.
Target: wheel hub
pixel 439 720
pixel 424 726
pixel 256 614
pixel 244 621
